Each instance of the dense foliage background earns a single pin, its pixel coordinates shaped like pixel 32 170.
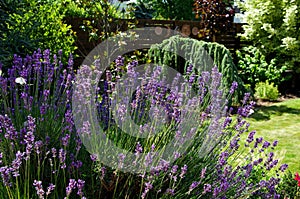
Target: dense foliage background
pixel 273 27
pixel 30 24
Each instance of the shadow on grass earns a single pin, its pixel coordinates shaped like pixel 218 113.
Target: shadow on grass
pixel 265 112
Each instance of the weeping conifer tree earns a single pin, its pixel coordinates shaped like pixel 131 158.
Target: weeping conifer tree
pixel 167 53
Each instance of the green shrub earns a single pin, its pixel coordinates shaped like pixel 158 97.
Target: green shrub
pixel 89 9
pixel 32 24
pixel 266 91
pixel 253 67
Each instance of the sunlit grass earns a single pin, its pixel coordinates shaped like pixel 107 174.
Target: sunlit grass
pixel 280 121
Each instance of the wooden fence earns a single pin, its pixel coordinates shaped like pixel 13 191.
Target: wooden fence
pixel 191 29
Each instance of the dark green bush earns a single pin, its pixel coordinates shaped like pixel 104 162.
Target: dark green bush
pixel 143 10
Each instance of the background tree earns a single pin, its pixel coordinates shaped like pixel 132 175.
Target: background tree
pixel 215 15
pixel 171 9
pixel 273 27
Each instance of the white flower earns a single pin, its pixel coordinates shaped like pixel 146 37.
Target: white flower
pixel 20 80
pixel 0 73
pixel 251 112
pixel 121 43
pixel 290 43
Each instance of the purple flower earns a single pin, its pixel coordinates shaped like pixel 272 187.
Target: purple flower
pixel 69 121
pixel 138 149
pixel 192 78
pixel 16 163
pixel 103 169
pixel 262 183
pixel 206 188
pixel 170 191
pixel 70 187
pixel 205 77
pixel 283 167
pixel 216 192
pixel 274 163
pixel 227 122
pixel 53 150
pixel 248 170
pixel 258 141
pixel 50 188
pixel 39 188
pixel 86 128
pixel 163 165
pixel 37 146
pixel 246 97
pixel 266 144
pixel 65 140
pixel 234 143
pixel 176 155
pixel 148 187
pixel 251 136
pixel 62 158
pixel 256 162
pixel 93 157
pixel 233 87
pixel 80 185
pixel 276 196
pixel 275 143
pixel 29 137
pixel 148 159
pixel 121 159
pixel 203 171
pixel 6 175
pixel 223 158
pixel 224 185
pixel 174 169
pixel 119 61
pixel 189 69
pixel 30 123
pixel 193 186
pixel 183 171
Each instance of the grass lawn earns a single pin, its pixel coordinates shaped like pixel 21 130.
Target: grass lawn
pixel 280 121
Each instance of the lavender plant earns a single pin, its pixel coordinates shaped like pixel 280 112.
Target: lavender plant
pixel 223 172
pixel 39 146
pixel 42 155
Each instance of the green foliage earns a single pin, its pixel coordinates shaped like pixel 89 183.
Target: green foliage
pixel 143 10
pixel 253 67
pixel 273 27
pixel 32 24
pixel 90 9
pixel 193 49
pixel 98 14
pixel 266 91
pixel 173 9
pixel 288 186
